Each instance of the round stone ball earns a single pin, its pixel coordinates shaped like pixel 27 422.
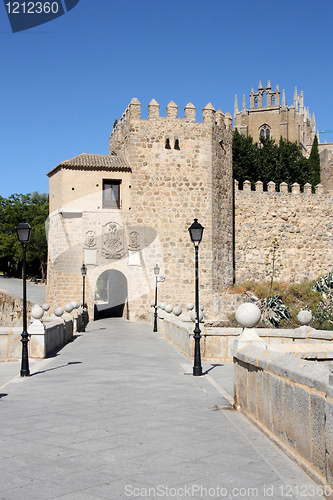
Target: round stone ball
pixel 162 305
pixel 75 305
pixel 45 306
pixel 192 316
pixel 177 311
pixel 68 307
pixel 152 303
pixel 168 308
pixel 248 315
pixel 58 311
pixel 201 307
pixel 304 317
pixel 37 312
pixel 190 306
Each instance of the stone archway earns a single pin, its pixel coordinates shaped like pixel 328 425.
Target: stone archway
pixel 111 295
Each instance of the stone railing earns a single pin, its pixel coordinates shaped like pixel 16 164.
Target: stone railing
pixel 292 401
pixel 46 332
pixel 217 342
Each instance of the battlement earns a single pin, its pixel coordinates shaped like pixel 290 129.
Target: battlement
pixel 209 114
pixel 283 188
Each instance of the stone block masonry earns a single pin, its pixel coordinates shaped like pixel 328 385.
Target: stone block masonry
pixel 293 405
pixel 300 221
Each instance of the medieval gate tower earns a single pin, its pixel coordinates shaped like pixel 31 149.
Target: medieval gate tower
pixel 122 213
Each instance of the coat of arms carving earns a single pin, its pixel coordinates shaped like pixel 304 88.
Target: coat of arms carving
pixel 90 239
pixel 113 241
pixel 134 240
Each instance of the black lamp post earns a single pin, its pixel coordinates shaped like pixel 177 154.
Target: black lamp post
pixel 83 272
pixel 196 230
pixel 24 234
pixel 156 272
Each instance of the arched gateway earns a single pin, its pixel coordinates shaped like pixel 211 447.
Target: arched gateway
pixel 111 295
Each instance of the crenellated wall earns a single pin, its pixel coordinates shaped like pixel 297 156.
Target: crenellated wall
pixel 300 221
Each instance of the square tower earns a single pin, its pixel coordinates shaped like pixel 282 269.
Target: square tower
pixel 166 172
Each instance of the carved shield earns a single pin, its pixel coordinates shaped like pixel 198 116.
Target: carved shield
pixel 90 239
pixel 113 241
pixel 134 240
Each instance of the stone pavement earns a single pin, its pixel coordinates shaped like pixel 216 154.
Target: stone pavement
pixel 116 415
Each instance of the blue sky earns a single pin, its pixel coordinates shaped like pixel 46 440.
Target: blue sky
pixel 64 83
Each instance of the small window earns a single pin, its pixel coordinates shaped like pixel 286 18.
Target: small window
pixel 111 194
pixel 167 143
pixel 177 144
pixel 265 132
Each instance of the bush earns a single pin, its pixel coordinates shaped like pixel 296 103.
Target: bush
pixel 296 297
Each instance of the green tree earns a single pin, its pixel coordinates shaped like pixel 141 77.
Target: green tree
pixel 244 158
pixel 314 163
pixel 32 207
pixel 292 166
pixel 268 154
pixel 267 161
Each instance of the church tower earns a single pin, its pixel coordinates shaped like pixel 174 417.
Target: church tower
pixel 270 117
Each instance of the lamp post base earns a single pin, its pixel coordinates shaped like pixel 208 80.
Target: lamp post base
pixel 197 371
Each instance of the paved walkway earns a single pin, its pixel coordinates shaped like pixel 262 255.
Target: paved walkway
pixel 35 293
pixel 115 415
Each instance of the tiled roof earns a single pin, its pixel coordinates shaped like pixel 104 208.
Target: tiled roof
pixel 89 161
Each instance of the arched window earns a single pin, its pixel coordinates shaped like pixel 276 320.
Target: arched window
pixel 265 131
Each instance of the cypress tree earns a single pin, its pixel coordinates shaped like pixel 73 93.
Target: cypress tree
pixel 314 163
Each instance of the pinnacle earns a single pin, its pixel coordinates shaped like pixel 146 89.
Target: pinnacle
pixel 153 103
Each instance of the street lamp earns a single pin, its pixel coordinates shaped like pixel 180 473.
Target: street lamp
pixel 156 272
pixel 196 230
pixel 83 272
pixel 24 234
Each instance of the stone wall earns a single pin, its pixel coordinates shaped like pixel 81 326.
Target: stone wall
pixel 326 165
pixel 11 309
pixel 300 221
pixel 292 401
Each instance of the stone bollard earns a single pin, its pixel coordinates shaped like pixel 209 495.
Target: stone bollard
pixel 177 311
pixel 304 318
pixel 248 316
pixel 75 315
pixel 57 313
pixel 36 331
pixel 37 313
pixel 168 308
pixel 46 308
